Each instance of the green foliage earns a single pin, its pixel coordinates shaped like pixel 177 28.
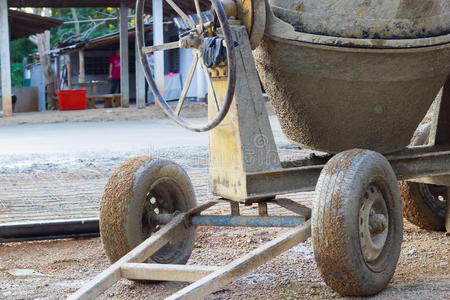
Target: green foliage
pixel 94 27
pixel 19 49
pixel 17 74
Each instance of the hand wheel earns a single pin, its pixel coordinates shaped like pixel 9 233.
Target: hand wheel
pixel 194 40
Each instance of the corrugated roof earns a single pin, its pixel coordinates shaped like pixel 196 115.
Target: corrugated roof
pixel 183 26
pixel 23 24
pixel 97 42
pixel 186 5
pixel 114 36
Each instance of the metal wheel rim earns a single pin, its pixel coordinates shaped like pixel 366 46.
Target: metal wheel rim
pixel 373 224
pixel 231 81
pixel 169 201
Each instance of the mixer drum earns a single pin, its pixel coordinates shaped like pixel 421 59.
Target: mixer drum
pixel 336 93
pixel 386 19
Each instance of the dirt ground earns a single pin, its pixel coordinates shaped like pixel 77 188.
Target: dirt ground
pixel 190 110
pixel 423 271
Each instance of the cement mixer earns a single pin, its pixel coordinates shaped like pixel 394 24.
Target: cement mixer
pixel 352 79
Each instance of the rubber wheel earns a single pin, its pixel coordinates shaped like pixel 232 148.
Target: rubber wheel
pixel 357 223
pixel 138 188
pixel 424 204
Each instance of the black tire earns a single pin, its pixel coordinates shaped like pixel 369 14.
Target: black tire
pixel 357 189
pixel 424 204
pixel 137 188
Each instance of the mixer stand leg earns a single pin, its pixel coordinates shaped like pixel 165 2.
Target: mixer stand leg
pixel 440 133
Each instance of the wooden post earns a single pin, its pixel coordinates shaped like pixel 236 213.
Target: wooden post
pixel 140 82
pixel 43 44
pixel 158 39
pixel 58 72
pixel 5 60
pixel 82 73
pixel 69 71
pixel 124 70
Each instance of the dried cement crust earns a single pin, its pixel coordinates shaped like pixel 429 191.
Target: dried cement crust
pixel 114 207
pixel 124 209
pixel 382 19
pixel 332 99
pixel 335 218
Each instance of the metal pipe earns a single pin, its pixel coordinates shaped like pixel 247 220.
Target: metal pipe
pixel 56 229
pixel 248 221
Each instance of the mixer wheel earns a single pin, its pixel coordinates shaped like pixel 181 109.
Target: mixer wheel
pixel 424 204
pixel 357 223
pixel 138 190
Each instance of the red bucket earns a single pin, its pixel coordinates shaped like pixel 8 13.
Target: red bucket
pixel 72 99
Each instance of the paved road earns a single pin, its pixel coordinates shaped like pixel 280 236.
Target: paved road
pixel 95 137
pixel 100 137
pixel 59 170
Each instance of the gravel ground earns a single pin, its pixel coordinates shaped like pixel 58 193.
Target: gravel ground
pixel 42 186
pixel 422 272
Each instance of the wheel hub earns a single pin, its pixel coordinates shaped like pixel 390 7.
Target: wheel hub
pixel 373 224
pixel 151 211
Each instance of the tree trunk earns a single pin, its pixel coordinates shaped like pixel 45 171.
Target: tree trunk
pixel 82 73
pixel 43 44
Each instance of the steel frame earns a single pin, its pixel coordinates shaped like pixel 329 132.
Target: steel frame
pixel 206 279
pixel 244 161
pixel 245 134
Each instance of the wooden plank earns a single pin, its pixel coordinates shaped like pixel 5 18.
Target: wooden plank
pixel 163 272
pixel 111 275
pixel 294 207
pixel 243 265
pixel 124 67
pixel 5 60
pixel 172 232
pixel 140 81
